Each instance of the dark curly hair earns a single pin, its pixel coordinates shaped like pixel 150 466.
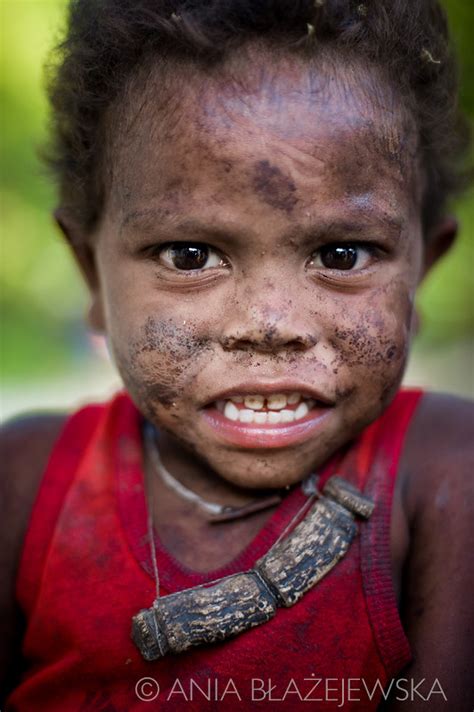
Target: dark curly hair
pixel 108 40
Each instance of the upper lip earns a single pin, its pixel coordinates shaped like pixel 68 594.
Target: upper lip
pixel 250 388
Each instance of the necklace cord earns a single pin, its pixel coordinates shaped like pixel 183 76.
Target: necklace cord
pixel 217 512
pixel 310 488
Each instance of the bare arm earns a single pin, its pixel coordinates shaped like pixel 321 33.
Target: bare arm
pixel 25 445
pixel 438 581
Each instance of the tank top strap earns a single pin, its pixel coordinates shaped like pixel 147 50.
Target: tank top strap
pixel 377 458
pixel 381 444
pixel 371 463
pixel 58 477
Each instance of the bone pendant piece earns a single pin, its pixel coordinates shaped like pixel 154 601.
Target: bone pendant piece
pixel 204 614
pixel 298 562
pixel 349 496
pixel 231 605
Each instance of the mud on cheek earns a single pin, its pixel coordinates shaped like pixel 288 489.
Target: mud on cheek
pixel 374 349
pixel 161 364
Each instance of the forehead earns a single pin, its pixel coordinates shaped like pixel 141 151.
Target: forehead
pixel 280 130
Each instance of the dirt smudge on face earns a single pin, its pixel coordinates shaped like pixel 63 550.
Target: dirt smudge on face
pixel 360 347
pixel 166 337
pixel 162 361
pixel 274 187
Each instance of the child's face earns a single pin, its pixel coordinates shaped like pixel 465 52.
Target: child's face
pixel 303 187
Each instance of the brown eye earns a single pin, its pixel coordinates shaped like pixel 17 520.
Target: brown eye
pixel 342 257
pixel 187 256
pixel 338 256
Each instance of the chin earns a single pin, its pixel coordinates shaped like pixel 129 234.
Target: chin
pixel 262 470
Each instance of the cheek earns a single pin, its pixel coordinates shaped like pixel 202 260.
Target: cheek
pixel 161 362
pixel 370 339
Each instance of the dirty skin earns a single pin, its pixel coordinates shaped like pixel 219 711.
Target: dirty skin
pixel 264 168
pixel 265 340
pixel 274 187
pixel 364 345
pixel 166 356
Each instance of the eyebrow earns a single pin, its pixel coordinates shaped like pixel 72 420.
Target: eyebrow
pixel 154 220
pixel 144 216
pixel 361 224
pixel 150 220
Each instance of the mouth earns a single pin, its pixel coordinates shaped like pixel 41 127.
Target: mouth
pixel 269 419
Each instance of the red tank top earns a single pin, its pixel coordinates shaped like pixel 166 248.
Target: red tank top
pixel 86 570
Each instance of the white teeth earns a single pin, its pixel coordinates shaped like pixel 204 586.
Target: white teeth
pixel 246 416
pixel 254 402
pixel 276 401
pixel 231 411
pixel 301 411
pixel 276 411
pixel 287 416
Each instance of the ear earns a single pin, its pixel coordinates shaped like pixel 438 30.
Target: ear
pixel 439 241
pixel 85 258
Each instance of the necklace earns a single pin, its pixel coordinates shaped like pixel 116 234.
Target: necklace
pixel 302 555
pixel 216 512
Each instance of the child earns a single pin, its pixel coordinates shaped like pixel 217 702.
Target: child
pixel 253 192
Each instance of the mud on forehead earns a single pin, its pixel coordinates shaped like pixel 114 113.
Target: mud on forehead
pixel 181 105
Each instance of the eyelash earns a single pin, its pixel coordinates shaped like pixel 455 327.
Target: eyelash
pixel 160 251
pixel 352 250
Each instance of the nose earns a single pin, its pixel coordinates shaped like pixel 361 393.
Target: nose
pixel 266 330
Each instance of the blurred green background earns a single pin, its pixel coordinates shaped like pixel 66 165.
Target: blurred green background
pixel 47 357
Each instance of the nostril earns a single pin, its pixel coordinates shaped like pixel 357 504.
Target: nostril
pixel 268 341
pixel 231 343
pixel 304 343
pixel 300 343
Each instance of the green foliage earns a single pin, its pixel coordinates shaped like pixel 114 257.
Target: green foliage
pixel 41 295
pixel 461 17
pixel 446 300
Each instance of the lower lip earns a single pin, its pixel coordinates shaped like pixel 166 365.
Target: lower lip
pixel 249 435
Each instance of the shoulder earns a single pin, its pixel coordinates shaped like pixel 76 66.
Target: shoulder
pixel 25 446
pixel 437 472
pixel 438 458
pixel 447 417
